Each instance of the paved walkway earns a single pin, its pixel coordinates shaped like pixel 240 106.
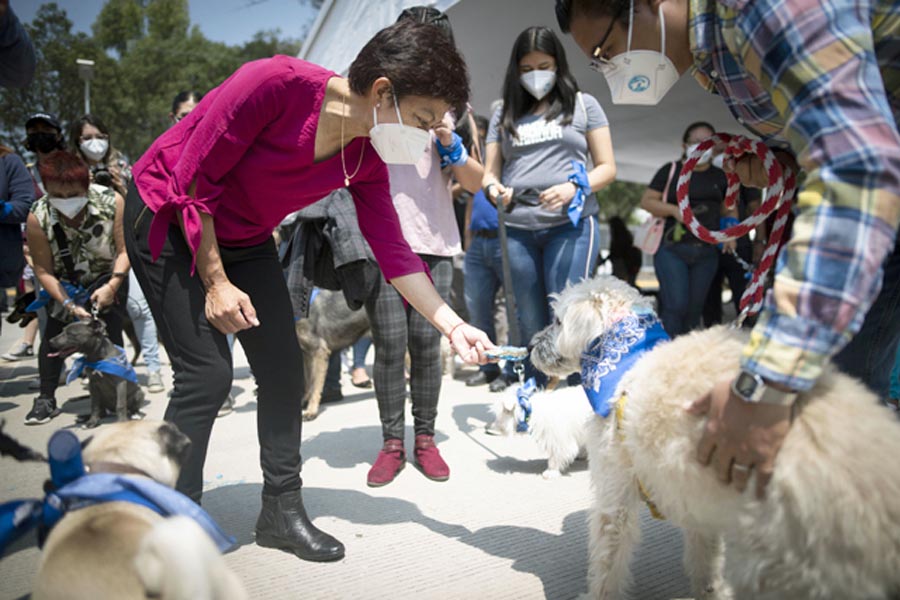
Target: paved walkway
pixel 496 529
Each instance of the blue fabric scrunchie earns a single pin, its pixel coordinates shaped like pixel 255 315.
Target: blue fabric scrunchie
pixel 582 191
pixel 455 154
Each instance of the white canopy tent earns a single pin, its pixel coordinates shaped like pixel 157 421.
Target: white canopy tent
pixel 644 138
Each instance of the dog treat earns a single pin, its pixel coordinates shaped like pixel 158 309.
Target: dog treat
pixel 507 353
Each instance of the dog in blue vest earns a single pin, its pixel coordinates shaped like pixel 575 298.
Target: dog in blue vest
pixel 829 524
pixel 111 526
pixel 112 382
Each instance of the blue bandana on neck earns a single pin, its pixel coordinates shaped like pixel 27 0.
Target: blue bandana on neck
pixel 82 490
pixel 612 354
pixel 117 365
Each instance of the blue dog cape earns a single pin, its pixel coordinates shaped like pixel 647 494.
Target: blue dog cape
pixel 612 354
pixel 20 516
pixel 117 365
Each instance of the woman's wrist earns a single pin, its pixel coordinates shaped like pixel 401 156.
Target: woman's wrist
pixel 453 329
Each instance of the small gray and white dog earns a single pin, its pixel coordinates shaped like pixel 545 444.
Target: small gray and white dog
pixel 331 326
pixel 109 393
pixel 829 526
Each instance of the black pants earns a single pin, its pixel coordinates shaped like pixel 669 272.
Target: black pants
pixel 50 367
pixel 200 357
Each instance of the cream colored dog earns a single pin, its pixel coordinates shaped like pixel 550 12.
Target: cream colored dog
pixel 559 424
pixel 126 551
pixel 829 527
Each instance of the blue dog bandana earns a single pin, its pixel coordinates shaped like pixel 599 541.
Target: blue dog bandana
pixel 20 516
pixel 117 365
pixel 612 354
pixel 523 397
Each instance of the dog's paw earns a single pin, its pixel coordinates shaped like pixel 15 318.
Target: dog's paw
pixel 137 416
pixel 310 415
pixel 91 424
pixel 551 474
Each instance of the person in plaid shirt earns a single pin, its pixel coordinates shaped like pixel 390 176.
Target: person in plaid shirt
pixel 819 81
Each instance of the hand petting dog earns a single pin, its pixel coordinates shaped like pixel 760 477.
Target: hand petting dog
pixel 740 436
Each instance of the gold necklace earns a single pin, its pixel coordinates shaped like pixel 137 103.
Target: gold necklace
pixel 347 177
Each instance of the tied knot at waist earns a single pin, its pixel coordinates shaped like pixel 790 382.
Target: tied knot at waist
pixel 193 226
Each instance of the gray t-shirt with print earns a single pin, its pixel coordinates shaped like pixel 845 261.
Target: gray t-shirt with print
pixel 541 156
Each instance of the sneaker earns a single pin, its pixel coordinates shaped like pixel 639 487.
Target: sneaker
pixel 43 410
pixel 227 407
pixel 155 384
pixel 21 351
pixel 428 459
pixel 390 461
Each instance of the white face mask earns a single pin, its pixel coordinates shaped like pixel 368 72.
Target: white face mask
pixel 95 149
pixel 396 143
pixel 538 83
pixel 640 76
pixel 70 207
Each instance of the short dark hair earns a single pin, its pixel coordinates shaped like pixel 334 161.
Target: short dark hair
pixel 693 126
pixel 65 168
pixel 517 102
pixel 183 97
pixel 428 15
pixel 566 10
pixel 417 62
pixel 78 127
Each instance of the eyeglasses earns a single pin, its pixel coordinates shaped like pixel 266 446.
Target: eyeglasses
pixel 598 63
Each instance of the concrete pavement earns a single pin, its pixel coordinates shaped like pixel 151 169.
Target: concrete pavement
pixel 496 529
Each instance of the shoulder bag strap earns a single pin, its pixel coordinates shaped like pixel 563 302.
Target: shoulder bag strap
pixel 62 243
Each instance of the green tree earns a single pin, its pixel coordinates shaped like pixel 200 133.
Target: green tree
pixel 619 199
pixel 145 52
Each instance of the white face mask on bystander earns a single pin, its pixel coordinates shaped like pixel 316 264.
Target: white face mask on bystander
pixel 538 83
pixel 70 207
pixel 95 149
pixel 640 76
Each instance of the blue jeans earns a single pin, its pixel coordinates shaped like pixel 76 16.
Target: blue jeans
pixel 360 349
pixel 144 325
pixel 871 353
pixel 895 377
pixel 483 269
pixel 542 263
pixel 685 271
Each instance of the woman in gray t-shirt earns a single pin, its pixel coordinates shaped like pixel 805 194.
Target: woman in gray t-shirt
pixel 537 143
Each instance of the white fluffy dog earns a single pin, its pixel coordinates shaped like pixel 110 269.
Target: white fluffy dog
pixel 829 526
pixel 558 423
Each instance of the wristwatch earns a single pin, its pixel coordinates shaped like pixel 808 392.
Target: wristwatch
pixel 750 387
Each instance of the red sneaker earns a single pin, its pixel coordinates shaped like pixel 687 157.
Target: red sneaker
pixel 428 459
pixel 390 461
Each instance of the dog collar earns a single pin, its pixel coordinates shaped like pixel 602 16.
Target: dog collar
pixel 611 355
pixel 80 490
pixel 116 365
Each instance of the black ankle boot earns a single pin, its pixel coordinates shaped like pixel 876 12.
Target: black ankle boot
pixel 283 524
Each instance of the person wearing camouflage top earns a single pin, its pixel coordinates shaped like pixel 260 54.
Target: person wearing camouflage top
pixel 89 218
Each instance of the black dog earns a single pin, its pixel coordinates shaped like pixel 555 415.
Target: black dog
pixel 109 392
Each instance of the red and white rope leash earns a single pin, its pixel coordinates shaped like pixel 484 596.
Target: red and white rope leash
pixel 781 191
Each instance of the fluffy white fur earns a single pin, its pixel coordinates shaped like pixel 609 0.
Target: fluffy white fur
pixel 829 526
pixel 559 424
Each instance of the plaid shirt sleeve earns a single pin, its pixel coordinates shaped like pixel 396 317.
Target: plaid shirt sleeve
pixel 819 65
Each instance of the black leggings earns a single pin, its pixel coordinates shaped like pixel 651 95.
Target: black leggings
pixel 200 357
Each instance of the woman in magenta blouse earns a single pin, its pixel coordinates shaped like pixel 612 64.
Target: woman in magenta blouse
pixel 278 135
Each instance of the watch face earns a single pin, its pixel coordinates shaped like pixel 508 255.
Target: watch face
pixel 745 385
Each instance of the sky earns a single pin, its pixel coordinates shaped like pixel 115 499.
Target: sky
pixel 231 21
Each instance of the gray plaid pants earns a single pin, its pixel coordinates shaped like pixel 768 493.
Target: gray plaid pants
pixel 395 328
